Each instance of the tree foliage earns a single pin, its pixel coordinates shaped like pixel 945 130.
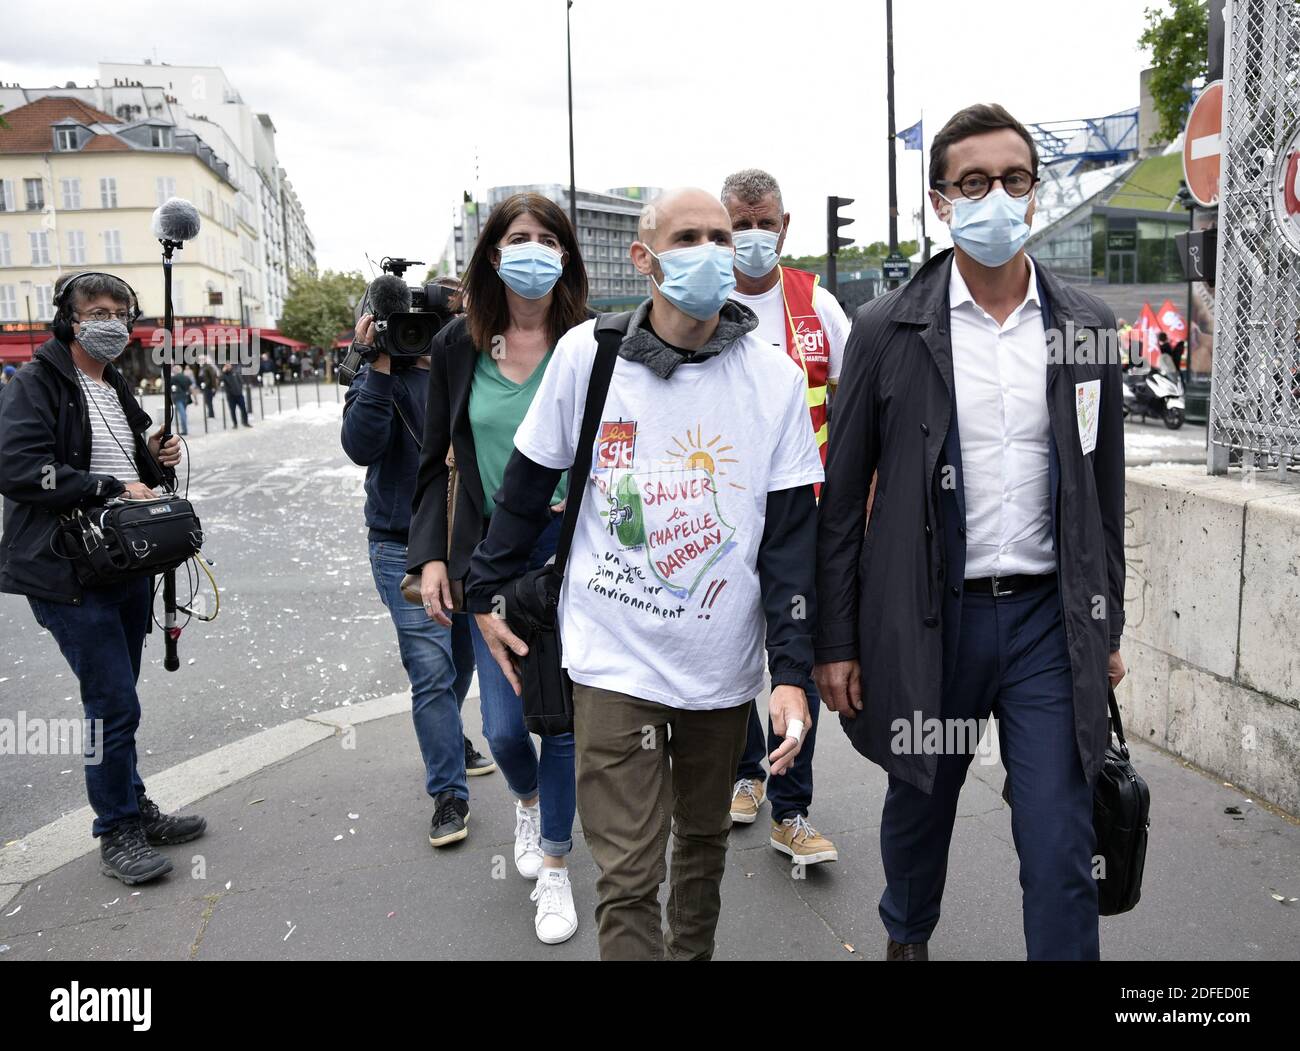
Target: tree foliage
pixel 1178 39
pixel 317 308
pixel 855 257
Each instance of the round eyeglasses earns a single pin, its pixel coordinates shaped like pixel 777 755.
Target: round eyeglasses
pixel 976 185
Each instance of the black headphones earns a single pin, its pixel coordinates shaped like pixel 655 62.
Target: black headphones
pixel 61 326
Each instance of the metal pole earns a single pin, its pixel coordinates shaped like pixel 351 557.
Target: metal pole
pixel 925 240
pixel 296 403
pixel 573 188
pixel 261 405
pixel 31 334
pixel 893 174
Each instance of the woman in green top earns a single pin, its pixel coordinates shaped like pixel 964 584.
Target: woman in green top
pixel 524 288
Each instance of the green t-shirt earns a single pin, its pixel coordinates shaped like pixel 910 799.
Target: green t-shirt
pixel 497 406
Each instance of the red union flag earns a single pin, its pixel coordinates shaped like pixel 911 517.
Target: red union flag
pixel 616 444
pixel 1145 332
pixel 1172 322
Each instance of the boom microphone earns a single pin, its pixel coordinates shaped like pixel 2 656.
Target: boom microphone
pixel 389 295
pixel 176 220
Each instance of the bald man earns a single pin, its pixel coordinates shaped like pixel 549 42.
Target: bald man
pixel 693 553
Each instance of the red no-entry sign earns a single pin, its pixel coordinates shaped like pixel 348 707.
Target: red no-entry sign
pixel 1203 146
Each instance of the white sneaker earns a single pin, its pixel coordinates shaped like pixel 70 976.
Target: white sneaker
pixel 556 918
pixel 528 840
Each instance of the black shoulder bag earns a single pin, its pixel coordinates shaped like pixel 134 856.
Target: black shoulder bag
pixel 532 601
pixel 1121 812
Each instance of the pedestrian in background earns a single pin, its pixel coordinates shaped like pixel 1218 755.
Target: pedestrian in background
pixel 232 382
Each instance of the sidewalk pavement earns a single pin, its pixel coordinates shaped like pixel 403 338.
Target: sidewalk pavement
pixel 317 848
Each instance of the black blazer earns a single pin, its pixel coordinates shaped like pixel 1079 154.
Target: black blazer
pixel 446 426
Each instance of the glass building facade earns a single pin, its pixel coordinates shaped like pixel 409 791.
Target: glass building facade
pixel 1116 246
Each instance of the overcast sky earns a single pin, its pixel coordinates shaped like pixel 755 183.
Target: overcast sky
pixel 381 108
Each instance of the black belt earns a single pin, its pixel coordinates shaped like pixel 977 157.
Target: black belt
pixel 1001 587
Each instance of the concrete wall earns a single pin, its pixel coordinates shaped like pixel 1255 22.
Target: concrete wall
pixel 1212 640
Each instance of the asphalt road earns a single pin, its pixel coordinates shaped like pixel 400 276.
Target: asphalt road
pixel 300 629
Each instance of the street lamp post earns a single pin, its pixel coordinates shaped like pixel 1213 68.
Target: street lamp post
pixel 893 173
pixel 31 335
pixel 573 188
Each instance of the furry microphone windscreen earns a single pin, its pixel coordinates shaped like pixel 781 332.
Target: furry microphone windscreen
pixel 176 220
pixel 389 295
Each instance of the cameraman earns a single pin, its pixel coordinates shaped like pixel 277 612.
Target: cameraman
pixel 73 436
pixel 382 414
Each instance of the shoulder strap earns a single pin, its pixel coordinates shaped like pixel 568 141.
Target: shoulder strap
pixel 610 330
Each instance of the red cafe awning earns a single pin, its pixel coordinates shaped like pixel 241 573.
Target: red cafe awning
pixel 18 346
pixel 271 335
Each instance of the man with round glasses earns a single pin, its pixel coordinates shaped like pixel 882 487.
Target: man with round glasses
pixel 990 578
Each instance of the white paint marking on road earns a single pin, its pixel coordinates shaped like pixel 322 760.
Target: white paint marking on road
pixel 1207 146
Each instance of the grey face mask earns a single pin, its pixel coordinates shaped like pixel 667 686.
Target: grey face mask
pixel 104 340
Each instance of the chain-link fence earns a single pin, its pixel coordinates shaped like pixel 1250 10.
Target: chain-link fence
pixel 1255 400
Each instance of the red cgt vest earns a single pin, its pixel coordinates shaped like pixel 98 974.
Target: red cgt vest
pixel 806 343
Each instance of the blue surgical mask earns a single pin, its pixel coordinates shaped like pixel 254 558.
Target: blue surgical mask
pixel 755 252
pixel 697 280
pixel 991 230
pixel 530 269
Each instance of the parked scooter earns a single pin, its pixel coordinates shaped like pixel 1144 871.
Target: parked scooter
pixel 1157 392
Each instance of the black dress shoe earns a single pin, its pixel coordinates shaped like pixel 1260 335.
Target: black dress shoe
pixel 450 820
pixel 907 950
pixel 162 830
pixel 124 854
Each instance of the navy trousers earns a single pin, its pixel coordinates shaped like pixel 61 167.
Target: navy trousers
pixel 792 792
pixel 103 643
pixel 1012 662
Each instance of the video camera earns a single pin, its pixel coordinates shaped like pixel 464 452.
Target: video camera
pixel 406 319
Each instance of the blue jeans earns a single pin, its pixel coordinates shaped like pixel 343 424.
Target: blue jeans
pixel 552 776
pixel 792 792
pixel 103 640
pixel 439 663
pixel 1013 662
pixel 182 418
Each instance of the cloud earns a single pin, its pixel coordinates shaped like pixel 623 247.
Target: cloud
pixel 381 109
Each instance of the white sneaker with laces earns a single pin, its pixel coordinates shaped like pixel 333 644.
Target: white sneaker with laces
pixel 556 918
pixel 528 840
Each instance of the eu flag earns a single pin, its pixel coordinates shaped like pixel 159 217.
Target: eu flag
pixel 913 137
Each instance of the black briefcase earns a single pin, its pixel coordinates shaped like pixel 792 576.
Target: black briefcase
pixel 1121 816
pixel 1121 811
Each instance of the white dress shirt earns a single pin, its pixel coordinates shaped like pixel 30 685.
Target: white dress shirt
pixel 1000 372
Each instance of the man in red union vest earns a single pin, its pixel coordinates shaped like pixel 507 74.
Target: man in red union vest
pixel 801 319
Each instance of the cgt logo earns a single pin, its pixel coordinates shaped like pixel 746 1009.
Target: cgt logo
pixel 76 1004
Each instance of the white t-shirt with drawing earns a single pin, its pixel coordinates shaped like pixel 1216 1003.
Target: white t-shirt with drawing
pixel 661 596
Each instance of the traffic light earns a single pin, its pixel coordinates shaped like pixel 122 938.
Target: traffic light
pixel 834 242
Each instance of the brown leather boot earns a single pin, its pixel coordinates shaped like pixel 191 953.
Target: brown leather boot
pixel 907 950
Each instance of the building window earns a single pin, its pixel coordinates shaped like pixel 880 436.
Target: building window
pixel 8 303
pixel 35 190
pixel 71 191
pixel 6 195
pixel 6 257
pixel 160 138
pixel 208 202
pixel 39 240
pixel 112 246
pixel 108 193
pixel 165 186
pixel 76 248
pixel 65 138
pixel 44 295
